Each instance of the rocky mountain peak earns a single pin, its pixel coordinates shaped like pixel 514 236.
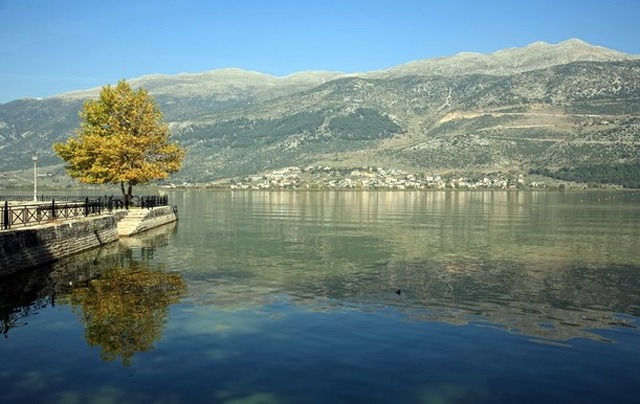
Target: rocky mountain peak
pixel 538 55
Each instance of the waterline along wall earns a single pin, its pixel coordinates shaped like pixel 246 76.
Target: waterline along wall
pixel 32 246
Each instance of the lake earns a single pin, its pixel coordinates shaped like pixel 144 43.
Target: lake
pixel 340 297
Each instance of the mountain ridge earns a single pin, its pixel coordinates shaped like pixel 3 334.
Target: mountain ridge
pixel 535 56
pixel 540 106
pixel 564 52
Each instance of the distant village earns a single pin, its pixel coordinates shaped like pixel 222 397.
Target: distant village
pixel 325 177
pixel 335 178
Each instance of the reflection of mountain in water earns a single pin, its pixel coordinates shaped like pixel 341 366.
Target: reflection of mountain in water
pixel 552 303
pixel 555 303
pixel 545 264
pixel 550 265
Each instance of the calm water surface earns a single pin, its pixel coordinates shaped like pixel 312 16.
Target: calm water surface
pixel 323 297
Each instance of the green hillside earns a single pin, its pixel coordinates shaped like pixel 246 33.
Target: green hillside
pixel 579 107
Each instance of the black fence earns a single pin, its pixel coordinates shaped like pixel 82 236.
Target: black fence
pixel 17 214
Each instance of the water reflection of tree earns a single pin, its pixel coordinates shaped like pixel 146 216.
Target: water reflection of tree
pixel 25 294
pixel 125 310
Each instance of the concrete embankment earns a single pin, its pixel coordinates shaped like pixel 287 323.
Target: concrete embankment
pixel 32 246
pixel 139 220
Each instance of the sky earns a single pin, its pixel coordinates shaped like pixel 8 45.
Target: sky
pixel 49 47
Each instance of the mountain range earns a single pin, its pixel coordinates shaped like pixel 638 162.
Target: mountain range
pixel 543 106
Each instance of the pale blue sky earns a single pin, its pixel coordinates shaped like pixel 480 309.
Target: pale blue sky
pixel 53 46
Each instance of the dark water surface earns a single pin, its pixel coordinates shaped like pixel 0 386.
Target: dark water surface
pixel 323 297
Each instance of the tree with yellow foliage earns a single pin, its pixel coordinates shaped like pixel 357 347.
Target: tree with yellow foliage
pixel 121 140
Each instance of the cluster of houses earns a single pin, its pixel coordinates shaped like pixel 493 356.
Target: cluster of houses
pixel 325 177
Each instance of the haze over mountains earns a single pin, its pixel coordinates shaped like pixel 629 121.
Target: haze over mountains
pixel 541 106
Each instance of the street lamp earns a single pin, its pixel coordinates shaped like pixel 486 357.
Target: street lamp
pixel 35 178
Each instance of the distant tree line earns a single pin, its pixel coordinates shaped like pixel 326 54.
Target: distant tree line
pixel 363 124
pixel 627 175
pixel 242 132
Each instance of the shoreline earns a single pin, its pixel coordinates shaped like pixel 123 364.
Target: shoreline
pixel 28 247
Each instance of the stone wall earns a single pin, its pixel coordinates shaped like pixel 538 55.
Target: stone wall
pixel 37 245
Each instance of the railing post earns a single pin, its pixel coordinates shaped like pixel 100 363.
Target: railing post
pixel 86 206
pixel 53 209
pixel 5 215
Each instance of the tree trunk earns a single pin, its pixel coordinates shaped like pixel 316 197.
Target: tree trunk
pixel 127 194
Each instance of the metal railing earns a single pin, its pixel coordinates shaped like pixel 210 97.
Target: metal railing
pixel 152 201
pixel 17 214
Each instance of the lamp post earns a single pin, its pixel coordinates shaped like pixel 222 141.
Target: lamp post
pixel 35 177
